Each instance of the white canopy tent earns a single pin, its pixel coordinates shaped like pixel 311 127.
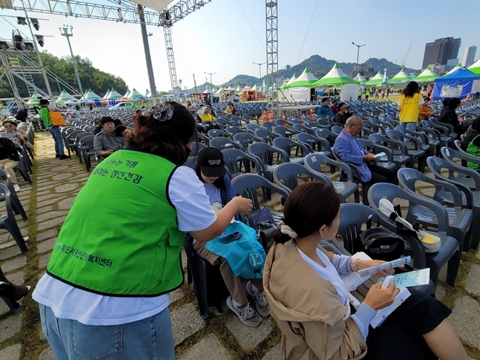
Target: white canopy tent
pixel 300 88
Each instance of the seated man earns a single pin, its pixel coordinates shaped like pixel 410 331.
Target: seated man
pixel 106 141
pixel 324 110
pixel 349 150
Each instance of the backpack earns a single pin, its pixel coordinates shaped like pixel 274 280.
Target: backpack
pixel 379 243
pixel 245 255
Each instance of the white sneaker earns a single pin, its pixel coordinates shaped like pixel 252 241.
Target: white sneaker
pixel 16 187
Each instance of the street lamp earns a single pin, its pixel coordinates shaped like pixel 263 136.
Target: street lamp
pixel 207 73
pixel 358 52
pixel 67 31
pixel 259 69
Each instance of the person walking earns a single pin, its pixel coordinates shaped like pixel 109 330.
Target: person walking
pixel 409 106
pixel 54 130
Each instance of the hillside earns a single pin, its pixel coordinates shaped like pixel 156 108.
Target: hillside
pixel 319 66
pixel 91 77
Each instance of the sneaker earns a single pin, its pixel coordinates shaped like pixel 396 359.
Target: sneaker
pixel 57 155
pixel 14 292
pixel 63 157
pixel 260 300
pixel 16 187
pixel 247 315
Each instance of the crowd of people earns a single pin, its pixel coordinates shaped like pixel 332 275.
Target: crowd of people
pixel 111 277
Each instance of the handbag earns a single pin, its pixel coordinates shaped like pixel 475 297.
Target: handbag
pixel 245 255
pixel 57 118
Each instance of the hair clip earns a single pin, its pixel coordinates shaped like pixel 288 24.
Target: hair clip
pixel 162 112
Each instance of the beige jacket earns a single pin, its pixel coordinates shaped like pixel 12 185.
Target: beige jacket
pixel 308 310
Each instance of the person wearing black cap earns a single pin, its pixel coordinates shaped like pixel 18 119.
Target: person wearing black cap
pixel 211 171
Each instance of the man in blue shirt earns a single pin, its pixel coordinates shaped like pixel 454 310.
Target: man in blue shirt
pixel 324 110
pixel 349 150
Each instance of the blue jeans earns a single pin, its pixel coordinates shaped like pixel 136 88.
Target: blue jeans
pixel 57 137
pixel 409 126
pixel 150 338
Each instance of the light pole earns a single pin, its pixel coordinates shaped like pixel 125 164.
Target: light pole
pixel 260 70
pixel 207 73
pixel 67 31
pixel 358 52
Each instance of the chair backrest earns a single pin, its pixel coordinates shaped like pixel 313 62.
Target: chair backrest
pixel 224 143
pixel 217 133
pixel 191 162
pixel 266 135
pixel 393 193
pixel 408 179
pixel 313 162
pixel 265 152
pixel 234 157
pixel 287 175
pixel 246 139
pixel 247 185
pixel 352 217
pixel 86 142
pixel 196 147
pixel 268 125
pixel 232 129
pixel 252 127
pixel 287 145
pixel 315 143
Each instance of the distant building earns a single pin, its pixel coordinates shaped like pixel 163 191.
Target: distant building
pixel 287 67
pixel 440 51
pixel 469 56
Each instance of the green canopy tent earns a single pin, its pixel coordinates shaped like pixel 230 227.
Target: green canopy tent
pixel 475 68
pixel 399 80
pixel 426 75
pixel 285 86
pixel 35 99
pixel 458 66
pixel 336 77
pixel 300 88
pixel 64 97
pixel 377 80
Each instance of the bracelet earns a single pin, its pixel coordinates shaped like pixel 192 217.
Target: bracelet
pixel 353 264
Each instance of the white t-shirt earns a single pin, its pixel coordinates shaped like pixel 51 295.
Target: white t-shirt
pixel 187 194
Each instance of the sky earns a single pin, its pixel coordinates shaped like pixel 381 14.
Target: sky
pixel 225 37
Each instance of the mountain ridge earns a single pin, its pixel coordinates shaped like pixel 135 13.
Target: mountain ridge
pixel 318 66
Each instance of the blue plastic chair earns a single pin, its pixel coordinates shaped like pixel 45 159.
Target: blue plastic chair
pixel 459 217
pixel 449 251
pixel 345 188
pixel 288 145
pixel 287 175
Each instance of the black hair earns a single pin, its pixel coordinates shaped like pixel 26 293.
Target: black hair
pixel 451 103
pixel 476 124
pixel 411 89
pixel 168 138
pixel 44 102
pixel 106 119
pixel 324 99
pixel 309 207
pixel 117 122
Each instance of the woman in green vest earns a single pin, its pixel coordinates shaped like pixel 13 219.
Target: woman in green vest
pixel 105 293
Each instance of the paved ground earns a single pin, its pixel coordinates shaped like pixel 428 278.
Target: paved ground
pixel 222 337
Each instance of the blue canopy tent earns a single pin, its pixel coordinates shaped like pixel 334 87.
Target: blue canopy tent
pixel 459 84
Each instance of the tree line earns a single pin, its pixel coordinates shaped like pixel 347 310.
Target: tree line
pixel 91 77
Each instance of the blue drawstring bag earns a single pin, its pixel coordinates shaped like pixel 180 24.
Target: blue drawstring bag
pixel 245 255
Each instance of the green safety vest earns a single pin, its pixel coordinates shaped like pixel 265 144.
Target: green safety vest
pixel 474 150
pixel 121 236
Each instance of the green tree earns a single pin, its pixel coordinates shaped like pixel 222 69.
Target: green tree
pixel 100 82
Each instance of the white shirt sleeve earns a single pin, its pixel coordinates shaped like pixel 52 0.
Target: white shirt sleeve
pixel 421 101
pixel 187 194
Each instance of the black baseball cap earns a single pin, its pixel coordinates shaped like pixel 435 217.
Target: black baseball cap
pixel 211 162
